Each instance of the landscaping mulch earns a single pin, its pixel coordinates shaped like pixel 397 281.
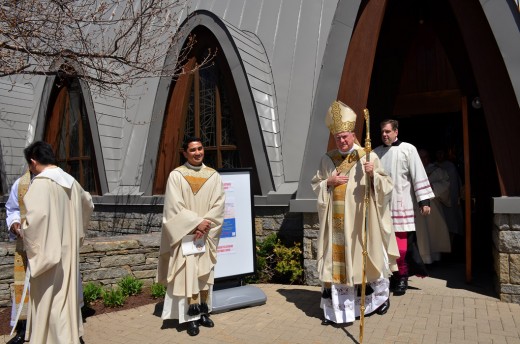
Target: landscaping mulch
pixel 96 308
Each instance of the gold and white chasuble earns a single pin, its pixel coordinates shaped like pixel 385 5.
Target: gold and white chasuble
pixel 58 214
pixel 342 217
pixel 192 195
pixel 20 258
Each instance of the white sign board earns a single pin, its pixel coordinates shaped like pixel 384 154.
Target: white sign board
pixel 236 248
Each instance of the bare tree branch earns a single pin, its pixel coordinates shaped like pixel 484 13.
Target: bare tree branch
pixel 105 42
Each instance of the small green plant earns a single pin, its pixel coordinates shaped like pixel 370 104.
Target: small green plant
pixel 113 297
pixel 157 290
pixel 130 285
pixel 91 292
pixel 288 261
pixel 276 262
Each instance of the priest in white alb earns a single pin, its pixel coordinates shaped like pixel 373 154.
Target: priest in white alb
pixel 411 190
pixel 58 213
pixel 433 235
pixel 340 185
pixel 193 206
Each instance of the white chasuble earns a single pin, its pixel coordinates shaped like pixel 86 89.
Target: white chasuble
pixel 191 196
pixel 381 243
pixel 58 213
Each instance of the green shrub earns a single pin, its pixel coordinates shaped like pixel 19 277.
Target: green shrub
pixel 288 262
pixel 113 297
pixel 130 285
pixel 91 292
pixel 157 290
pixel 276 262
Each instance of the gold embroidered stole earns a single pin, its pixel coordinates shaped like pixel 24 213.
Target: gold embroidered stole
pixel 20 258
pixel 196 178
pixel 343 165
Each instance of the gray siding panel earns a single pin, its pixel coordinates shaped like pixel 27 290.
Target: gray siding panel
pixel 19 102
pixel 326 91
pixel 274 154
pixel 267 125
pixel 277 167
pixel 262 98
pixel 268 24
pixel 250 17
pixel 283 56
pixel 218 7
pixel 301 90
pixel 506 30
pixel 234 10
pixel 110 114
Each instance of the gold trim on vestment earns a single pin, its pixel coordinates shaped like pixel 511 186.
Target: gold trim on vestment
pixel 20 257
pixel 195 178
pixel 343 165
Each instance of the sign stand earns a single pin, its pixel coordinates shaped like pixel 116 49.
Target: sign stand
pixel 236 249
pixel 237 297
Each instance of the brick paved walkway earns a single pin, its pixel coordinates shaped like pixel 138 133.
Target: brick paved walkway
pixel 438 309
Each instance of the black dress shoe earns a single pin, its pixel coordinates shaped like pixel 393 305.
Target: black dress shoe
pixel 384 307
pixel 326 322
pixel 393 282
pixel 402 285
pixel 18 339
pixel 193 328
pixel 206 321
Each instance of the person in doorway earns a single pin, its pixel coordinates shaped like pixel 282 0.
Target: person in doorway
pixel 340 184
pixel 15 215
pixel 452 210
pixel 433 237
pixel 58 213
pixel 411 185
pixel 193 205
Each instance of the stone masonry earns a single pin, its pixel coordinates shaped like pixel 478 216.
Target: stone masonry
pixel 104 261
pixel 311 228
pixel 506 252
pixel 125 241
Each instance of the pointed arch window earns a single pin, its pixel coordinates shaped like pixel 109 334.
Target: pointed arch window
pixel 204 103
pixel 68 131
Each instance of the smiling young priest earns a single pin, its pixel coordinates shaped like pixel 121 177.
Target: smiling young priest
pixel 193 212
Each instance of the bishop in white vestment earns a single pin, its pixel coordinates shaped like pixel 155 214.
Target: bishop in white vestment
pixel 340 185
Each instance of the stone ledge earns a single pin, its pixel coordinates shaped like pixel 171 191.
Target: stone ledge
pixel 103 260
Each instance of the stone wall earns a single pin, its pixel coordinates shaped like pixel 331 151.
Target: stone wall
pixel 506 252
pixel 117 219
pixel 311 228
pixel 114 219
pixel 106 259
pixel 270 220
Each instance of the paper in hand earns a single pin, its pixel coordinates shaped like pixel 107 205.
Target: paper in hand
pixel 190 247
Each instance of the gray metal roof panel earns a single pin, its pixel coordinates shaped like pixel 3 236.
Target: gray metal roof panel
pixel 277 167
pixel 267 125
pixel 503 18
pixel 262 98
pixel 19 104
pixel 274 154
pixel 260 85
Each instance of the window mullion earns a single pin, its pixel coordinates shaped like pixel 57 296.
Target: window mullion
pixel 196 110
pixel 80 150
pixel 218 138
pixel 66 115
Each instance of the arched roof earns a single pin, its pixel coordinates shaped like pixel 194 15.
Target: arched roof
pixel 253 79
